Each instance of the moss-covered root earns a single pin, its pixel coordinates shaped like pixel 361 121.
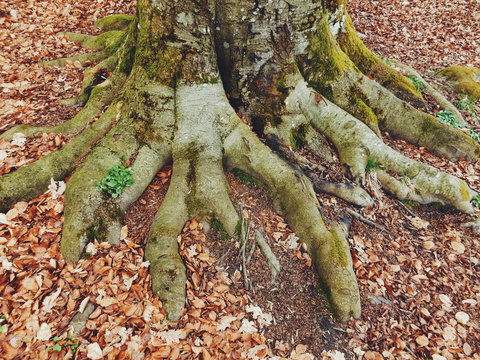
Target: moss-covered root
pixel 33 179
pixel 199 140
pixel 102 95
pixel 104 44
pixel 357 144
pixel 353 194
pixel 166 266
pixel 95 76
pixel 369 63
pixel 110 40
pixel 464 79
pixel 329 248
pixel 430 90
pixel 83 59
pixel 402 120
pixel 115 22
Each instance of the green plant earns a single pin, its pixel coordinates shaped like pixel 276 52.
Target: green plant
pixel 3 318
pixel 476 201
pixel 372 164
pixel 118 178
pixel 419 85
pixel 473 135
pixel 410 203
pixel 219 229
pixel 245 178
pixel 68 342
pixel 450 119
pixel 466 103
pixel 390 62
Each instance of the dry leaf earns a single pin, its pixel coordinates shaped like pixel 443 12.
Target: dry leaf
pixel 94 351
pixel 44 333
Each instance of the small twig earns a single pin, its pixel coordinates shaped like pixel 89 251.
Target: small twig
pixel 252 250
pixel 244 231
pixel 406 208
pixel 366 221
pixel 272 260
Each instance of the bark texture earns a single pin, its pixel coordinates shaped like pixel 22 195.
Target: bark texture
pixel 295 70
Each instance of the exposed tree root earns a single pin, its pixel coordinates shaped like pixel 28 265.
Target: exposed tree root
pixel 351 193
pixel 356 144
pixel 374 105
pixel 166 101
pixel 430 90
pixel 33 179
pixel 329 249
pixel 367 62
pixel 166 266
pixel 115 22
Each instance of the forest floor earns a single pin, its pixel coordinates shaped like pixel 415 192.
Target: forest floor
pixel 419 276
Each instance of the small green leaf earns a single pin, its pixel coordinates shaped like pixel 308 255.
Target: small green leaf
pixel 2 327
pixel 57 348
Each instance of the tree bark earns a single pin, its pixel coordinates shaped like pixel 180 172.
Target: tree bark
pixel 295 70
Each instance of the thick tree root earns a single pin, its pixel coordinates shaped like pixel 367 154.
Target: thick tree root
pixel 329 249
pixel 94 215
pixel 430 90
pixel 353 194
pixel 115 22
pixel 166 266
pixel 110 40
pixel 378 108
pixel 367 62
pixel 173 106
pixel 83 59
pixel 356 144
pixel 33 179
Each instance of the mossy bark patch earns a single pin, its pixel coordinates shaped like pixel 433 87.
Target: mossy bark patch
pixel 464 79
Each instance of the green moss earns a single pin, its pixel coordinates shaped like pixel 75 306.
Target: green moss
pixel 115 22
pixel 363 112
pixel 91 233
pixel 238 228
pixel 298 136
pixel 338 251
pixel 373 66
pixel 429 126
pixel 331 63
pixel 465 79
pixel 245 178
pixel 126 62
pixel 465 192
pixel 410 203
pixel 111 40
pixel 219 229
pixel 372 164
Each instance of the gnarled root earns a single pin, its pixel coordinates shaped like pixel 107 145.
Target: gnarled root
pixel 378 108
pixel 366 61
pixel 351 193
pixel 166 266
pixel 90 214
pixel 329 249
pixel 430 90
pixel 33 179
pixel 356 144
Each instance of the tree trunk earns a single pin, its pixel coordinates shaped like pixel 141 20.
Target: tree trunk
pixel 182 72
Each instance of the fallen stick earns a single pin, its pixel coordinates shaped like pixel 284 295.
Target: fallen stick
pixel 366 221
